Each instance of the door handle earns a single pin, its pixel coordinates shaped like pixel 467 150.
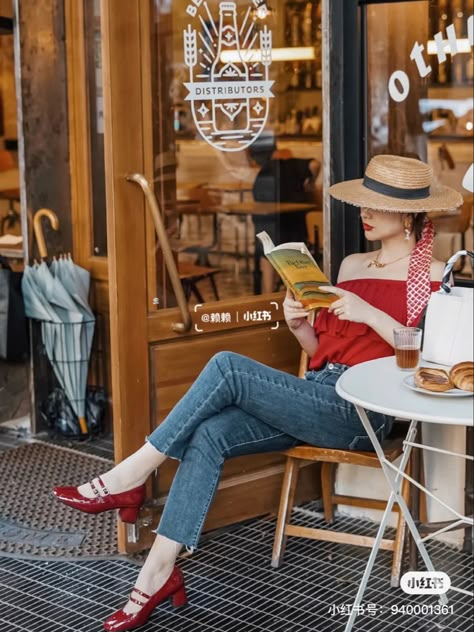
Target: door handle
pixel 153 205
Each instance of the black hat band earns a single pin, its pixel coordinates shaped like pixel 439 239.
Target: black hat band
pixel 396 192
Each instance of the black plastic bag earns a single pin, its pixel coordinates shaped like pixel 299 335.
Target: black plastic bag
pixel 61 418
pixel 13 329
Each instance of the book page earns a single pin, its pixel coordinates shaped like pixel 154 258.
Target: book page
pixel 267 242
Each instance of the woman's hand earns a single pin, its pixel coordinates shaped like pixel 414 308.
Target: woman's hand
pixel 295 313
pixel 349 306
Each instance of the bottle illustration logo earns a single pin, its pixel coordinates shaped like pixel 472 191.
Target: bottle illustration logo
pixel 229 89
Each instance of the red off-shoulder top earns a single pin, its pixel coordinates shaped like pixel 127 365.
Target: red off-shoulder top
pixel 346 342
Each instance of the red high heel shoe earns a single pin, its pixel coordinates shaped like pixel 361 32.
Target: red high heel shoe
pixel 128 503
pixel 173 587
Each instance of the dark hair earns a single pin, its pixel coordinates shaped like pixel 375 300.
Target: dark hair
pixel 418 223
pixel 262 149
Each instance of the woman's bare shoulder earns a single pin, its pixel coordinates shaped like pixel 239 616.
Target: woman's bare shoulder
pixel 352 265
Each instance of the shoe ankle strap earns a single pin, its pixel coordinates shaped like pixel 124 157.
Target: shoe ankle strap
pixel 141 594
pixel 96 489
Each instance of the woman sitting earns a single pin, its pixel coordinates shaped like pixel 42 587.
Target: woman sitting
pixel 225 413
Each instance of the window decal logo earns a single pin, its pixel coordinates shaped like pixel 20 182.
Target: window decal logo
pixel 399 82
pixel 229 89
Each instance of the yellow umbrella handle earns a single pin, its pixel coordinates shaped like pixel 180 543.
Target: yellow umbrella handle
pixel 38 229
pixel 83 425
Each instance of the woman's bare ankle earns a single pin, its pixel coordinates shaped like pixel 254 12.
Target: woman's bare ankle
pixel 129 473
pixel 113 485
pixel 149 584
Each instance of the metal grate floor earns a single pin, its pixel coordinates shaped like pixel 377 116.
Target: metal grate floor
pixel 232 588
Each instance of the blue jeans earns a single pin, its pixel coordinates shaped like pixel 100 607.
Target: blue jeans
pixel 238 406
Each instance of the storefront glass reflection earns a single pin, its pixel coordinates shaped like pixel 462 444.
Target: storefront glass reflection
pixel 92 34
pixel 231 80
pixel 420 96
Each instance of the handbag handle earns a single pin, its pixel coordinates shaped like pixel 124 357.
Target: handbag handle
pixel 445 287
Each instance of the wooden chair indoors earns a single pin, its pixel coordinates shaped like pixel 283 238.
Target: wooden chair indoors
pixel 190 275
pixel 456 224
pixel 7 161
pixel 198 204
pixel 305 455
pixel 193 256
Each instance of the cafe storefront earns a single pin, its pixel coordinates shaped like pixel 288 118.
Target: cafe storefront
pixel 164 103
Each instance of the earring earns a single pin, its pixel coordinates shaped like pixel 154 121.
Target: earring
pixel 407 226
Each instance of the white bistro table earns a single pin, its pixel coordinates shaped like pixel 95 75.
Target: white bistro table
pixel 378 386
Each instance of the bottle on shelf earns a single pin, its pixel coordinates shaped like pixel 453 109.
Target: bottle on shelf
pixel 307 25
pixel 291 126
pixel 295 75
pixel 295 27
pixel 318 81
pixel 299 121
pixel 308 76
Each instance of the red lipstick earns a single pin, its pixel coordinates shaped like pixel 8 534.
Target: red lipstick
pixel 367 227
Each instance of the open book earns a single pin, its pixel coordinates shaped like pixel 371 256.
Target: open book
pixel 299 271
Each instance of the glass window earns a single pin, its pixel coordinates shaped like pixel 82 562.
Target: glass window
pixel 96 125
pixel 237 94
pixel 420 97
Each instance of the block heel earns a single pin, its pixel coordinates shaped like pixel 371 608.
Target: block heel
pixel 129 514
pixel 180 598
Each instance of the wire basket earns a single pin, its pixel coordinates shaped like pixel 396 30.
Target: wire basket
pixel 68 348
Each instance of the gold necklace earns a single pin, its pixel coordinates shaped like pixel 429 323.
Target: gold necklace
pixel 377 264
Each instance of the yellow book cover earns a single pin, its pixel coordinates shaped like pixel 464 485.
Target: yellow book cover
pixel 299 271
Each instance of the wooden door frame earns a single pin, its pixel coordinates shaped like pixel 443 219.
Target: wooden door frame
pixel 79 143
pixel 343 126
pixel 126 229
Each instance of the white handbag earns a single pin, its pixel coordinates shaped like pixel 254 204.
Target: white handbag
pixel 449 321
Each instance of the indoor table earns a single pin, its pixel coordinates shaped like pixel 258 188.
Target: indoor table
pixel 379 386
pixel 239 188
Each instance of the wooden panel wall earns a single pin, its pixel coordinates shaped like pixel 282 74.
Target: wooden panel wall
pixel 276 348
pixel 44 136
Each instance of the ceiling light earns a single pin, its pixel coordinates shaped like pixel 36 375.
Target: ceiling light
pixel 298 53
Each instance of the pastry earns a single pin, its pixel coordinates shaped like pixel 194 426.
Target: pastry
pixel 436 380
pixel 462 376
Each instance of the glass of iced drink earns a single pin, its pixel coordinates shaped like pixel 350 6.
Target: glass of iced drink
pixel 407 347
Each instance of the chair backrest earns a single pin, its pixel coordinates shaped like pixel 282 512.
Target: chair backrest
pixel 456 222
pixel 6 160
pixel 282 154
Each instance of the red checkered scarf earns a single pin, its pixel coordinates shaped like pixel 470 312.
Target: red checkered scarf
pixel 419 275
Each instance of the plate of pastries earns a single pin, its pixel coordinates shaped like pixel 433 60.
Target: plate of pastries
pixel 458 381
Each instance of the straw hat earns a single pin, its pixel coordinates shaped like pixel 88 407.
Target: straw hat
pixel 398 184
